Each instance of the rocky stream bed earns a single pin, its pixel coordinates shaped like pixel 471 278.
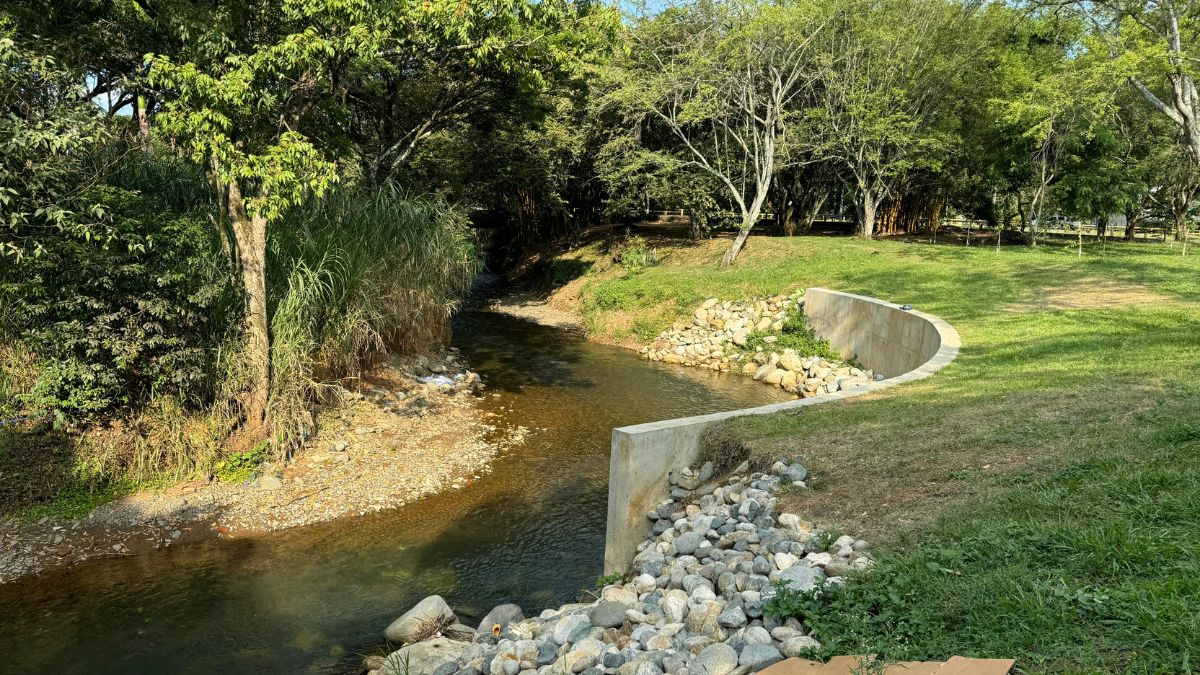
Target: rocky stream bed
pixel 693 602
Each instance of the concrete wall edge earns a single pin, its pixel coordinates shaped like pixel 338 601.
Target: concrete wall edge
pixel 665 445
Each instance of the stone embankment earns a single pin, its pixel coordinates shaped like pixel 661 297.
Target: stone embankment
pixel 742 335
pixel 695 602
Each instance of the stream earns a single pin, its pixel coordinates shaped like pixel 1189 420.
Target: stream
pixel 316 599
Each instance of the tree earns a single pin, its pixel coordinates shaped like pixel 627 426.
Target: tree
pixel 1154 43
pixel 442 64
pixel 47 129
pixel 885 90
pixel 801 191
pixel 638 178
pixel 719 79
pixel 1054 104
pixel 271 102
pixel 249 108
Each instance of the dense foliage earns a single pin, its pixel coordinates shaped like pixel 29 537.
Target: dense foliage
pixel 114 323
pixel 220 208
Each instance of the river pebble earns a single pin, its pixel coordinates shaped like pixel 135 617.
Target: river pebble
pixel 718 337
pixel 693 601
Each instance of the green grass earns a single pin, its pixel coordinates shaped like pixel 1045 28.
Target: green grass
pixel 1040 497
pixel 240 467
pixel 795 334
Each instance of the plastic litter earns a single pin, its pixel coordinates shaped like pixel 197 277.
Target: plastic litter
pixel 439 380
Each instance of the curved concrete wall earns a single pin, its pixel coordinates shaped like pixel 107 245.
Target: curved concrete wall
pixel 903 345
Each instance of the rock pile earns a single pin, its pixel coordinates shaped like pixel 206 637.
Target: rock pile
pixel 717 339
pixel 694 602
pixel 805 376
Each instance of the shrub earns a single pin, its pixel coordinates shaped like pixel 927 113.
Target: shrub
pixel 795 334
pixel 354 273
pixel 115 321
pixel 240 467
pixel 608 579
pixel 635 254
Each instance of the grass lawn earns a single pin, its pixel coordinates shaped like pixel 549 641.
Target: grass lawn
pixel 1037 499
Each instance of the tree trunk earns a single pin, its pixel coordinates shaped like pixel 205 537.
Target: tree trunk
pixel 697 223
pixel 867 207
pixel 738 242
pixel 749 220
pixel 250 234
pixel 812 211
pixel 785 211
pixel 143 120
pixel 1130 224
pixel 789 218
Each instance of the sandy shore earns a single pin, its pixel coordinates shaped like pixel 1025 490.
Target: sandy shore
pixel 396 440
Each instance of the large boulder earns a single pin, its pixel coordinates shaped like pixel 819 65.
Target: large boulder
pixel 702 617
pixel 674 606
pixel 799 645
pixel 801 577
pixel 581 656
pixel 608 614
pixel 422 658
pixel 756 656
pixel 502 616
pixel 571 628
pixel 688 542
pixel 416 622
pixel 790 361
pixel 716 659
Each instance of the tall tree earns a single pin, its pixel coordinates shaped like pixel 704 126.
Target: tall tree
pixel 1054 104
pixel 719 78
pixel 252 107
pixel 1155 43
pixel 886 86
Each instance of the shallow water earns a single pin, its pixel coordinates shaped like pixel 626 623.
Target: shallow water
pixel 316 599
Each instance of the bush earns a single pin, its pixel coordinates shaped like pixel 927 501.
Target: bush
pixel 240 467
pixel 354 273
pixel 635 254
pixel 868 614
pixel 795 334
pixel 115 321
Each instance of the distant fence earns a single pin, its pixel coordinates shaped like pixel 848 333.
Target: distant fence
pixel 1147 229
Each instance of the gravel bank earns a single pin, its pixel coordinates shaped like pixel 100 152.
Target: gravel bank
pixel 411 429
pixel 698 598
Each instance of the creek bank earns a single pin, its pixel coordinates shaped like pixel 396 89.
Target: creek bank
pixel 694 602
pixel 748 336
pixel 536 309
pixel 409 429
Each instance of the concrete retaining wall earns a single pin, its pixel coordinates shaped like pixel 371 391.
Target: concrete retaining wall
pixel 903 345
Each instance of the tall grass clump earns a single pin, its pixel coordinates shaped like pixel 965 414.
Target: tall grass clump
pixel 359 272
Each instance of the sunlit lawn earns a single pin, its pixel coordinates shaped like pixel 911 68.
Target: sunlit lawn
pixel 1040 497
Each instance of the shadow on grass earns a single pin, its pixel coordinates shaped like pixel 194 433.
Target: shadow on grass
pixel 37 475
